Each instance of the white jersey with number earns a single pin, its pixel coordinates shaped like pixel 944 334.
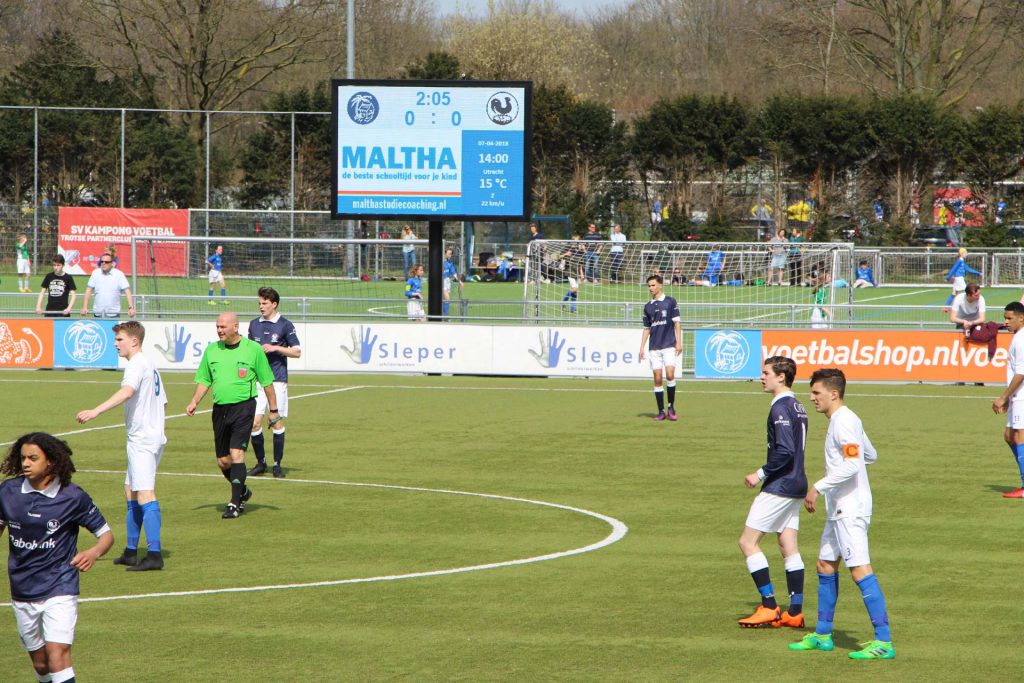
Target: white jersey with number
pixel 1015 363
pixel 848 452
pixel 144 411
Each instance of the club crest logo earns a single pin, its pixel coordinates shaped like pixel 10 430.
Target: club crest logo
pixel 85 341
pixel 502 108
pixel 727 352
pixel 52 525
pixel 243 372
pixel 363 108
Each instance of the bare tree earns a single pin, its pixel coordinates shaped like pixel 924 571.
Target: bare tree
pixel 933 48
pixel 207 54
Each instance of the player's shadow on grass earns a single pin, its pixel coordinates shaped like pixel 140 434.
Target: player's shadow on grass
pixel 844 641
pixel 1000 488
pixel 250 507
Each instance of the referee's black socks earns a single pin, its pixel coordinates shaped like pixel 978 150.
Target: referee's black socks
pixel 237 479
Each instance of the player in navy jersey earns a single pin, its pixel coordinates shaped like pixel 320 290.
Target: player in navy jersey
pixel 661 329
pixel 42 511
pixel 216 262
pixel 276 334
pixel 776 509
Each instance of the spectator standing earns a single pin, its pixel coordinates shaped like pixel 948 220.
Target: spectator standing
pixel 956 274
pixel 23 263
pixel 656 212
pixel 216 275
pixel 408 250
pixel 107 283
pixel 618 251
pixel 59 290
pixel 968 308
pixel 414 294
pixel 594 247
pixel 796 257
pixel 777 265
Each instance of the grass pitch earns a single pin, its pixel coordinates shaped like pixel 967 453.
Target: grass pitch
pixel 658 605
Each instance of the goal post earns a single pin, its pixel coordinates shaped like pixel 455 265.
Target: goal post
pixel 715 283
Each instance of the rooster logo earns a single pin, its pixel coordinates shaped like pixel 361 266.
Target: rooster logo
pixel 25 351
pixel 502 108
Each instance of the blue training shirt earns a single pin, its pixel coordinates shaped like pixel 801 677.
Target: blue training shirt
pixel 278 331
pixel 43 530
pixel 215 261
pixel 449 269
pixel 660 315
pixel 413 285
pixel 787 439
pixel 865 274
pixel 960 268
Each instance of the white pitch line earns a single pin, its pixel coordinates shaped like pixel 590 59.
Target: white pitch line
pixel 198 412
pixel 619 530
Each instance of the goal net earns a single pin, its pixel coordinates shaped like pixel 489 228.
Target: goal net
pixel 738 283
pixel 321 277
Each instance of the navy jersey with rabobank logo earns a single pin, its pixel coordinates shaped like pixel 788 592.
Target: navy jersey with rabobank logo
pixel 661 316
pixel 278 331
pixel 43 528
pixel 787 436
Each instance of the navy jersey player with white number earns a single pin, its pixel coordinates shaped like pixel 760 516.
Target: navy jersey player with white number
pixel 776 509
pixel 277 335
pixel 662 342
pixel 42 512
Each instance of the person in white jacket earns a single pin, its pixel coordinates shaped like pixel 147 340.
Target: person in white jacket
pixel 848 452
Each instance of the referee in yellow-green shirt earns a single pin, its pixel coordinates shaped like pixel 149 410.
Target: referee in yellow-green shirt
pixel 232 367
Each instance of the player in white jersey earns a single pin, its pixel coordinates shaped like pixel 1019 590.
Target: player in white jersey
pixel 848 452
pixel 1011 401
pixel 142 393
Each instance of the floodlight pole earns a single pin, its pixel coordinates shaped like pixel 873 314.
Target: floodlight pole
pixel 350 73
pixel 435 254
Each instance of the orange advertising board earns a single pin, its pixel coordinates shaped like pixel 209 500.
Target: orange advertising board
pixel 26 343
pixel 890 355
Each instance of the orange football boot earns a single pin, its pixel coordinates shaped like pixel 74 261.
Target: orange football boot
pixel 1019 493
pixel 786 619
pixel 762 616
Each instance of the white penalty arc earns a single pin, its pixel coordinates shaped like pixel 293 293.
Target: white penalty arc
pixel 618 531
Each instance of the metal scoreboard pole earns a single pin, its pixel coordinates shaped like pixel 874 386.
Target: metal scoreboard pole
pixel 435 255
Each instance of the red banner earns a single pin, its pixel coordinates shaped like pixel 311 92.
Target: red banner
pixel 85 233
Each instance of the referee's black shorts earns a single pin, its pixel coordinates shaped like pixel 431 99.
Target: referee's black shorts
pixel 232 426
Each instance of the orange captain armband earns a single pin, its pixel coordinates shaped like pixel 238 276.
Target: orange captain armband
pixel 851 451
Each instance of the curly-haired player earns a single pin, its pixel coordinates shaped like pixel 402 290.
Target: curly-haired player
pixel 42 511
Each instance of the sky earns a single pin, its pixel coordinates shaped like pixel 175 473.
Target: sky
pixel 479 7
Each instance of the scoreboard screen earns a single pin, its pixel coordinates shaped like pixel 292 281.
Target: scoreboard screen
pixel 431 150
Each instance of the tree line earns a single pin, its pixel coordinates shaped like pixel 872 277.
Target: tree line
pixel 692 151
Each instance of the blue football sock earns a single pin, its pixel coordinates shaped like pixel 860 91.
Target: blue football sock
pixel 572 306
pixel 874 600
pixel 210 293
pixel 151 520
pixel 223 293
pixel 1018 454
pixel 828 596
pixel 133 524
pixel 445 307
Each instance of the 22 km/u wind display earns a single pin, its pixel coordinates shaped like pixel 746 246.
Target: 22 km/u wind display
pixel 431 150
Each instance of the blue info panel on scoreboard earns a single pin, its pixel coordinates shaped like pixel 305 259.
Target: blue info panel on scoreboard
pixel 431 150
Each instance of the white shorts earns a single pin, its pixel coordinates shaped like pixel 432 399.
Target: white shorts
pixel 770 513
pixel 24 267
pixel 778 262
pixel 662 358
pixel 414 308
pixel 1015 414
pixel 574 283
pixel 143 459
pixel 846 538
pixel 446 285
pixel 49 621
pixel 281 392
pixel 959 284
pixel 819 320
pixel 216 276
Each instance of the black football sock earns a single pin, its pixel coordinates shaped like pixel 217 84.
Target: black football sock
pixel 278 447
pixel 257 447
pixel 227 474
pixel 660 396
pixel 237 481
pixel 670 389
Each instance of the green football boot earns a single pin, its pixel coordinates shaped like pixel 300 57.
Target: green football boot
pixel 876 649
pixel 814 641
